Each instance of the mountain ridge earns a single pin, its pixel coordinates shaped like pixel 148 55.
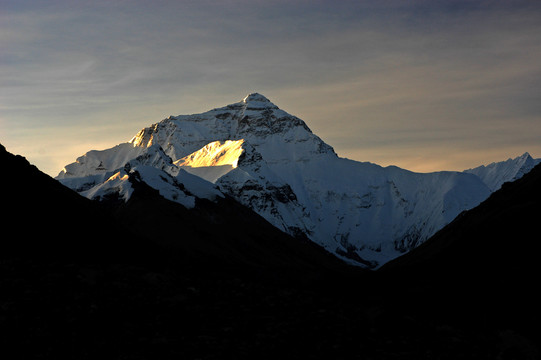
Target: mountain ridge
pixel 494 175
pixel 361 212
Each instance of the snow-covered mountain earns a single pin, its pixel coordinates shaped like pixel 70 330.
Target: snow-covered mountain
pixel 270 161
pixel 497 173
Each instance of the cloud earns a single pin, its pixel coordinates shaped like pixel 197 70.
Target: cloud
pixel 369 77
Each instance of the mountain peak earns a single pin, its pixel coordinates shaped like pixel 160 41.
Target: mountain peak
pixel 255 97
pixel 522 160
pixel 258 101
pixel 496 174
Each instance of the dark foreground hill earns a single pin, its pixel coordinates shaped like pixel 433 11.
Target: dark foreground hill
pixel 54 223
pixel 484 265
pixel 84 281
pixel 497 238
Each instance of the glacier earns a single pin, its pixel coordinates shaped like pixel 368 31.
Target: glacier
pixel 271 162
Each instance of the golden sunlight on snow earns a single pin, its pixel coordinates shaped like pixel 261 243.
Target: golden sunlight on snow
pixel 216 153
pixel 117 176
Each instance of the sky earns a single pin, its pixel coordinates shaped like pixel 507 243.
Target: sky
pixel 424 85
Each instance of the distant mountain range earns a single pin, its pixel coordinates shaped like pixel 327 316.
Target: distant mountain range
pixel 498 173
pixel 270 161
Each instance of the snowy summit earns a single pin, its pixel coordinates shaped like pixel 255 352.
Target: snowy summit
pixel 258 101
pixel 271 162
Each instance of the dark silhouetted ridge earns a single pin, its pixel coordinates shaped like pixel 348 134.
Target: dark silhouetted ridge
pixel 485 264
pixel 150 279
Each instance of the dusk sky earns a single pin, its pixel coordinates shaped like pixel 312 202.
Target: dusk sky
pixel 424 85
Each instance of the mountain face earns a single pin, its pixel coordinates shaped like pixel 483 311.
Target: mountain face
pixel 496 174
pixel 270 161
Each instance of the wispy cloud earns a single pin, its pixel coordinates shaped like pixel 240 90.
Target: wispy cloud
pixel 419 79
